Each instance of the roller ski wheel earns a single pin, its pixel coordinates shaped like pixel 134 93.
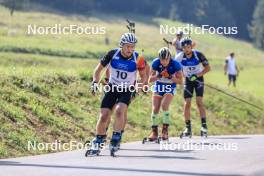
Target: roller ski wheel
pixel 91 152
pixel 164 140
pixel 204 132
pixel 149 140
pixel 186 133
pixel 95 148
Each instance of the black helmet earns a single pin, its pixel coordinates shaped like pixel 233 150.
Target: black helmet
pixel 186 41
pixel 164 53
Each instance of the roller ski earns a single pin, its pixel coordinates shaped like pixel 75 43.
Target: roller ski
pixel 204 132
pixel 96 147
pixel 153 137
pixel 186 133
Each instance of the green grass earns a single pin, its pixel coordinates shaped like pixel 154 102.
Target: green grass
pixel 45 80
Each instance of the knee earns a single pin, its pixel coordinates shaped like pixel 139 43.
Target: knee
pixel 155 109
pixel 199 104
pixel 187 105
pixel 120 113
pixel 164 107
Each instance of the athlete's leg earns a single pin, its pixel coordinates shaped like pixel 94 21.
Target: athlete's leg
pixel 166 101
pixel 188 94
pixel 156 102
pixel 120 110
pixel 108 122
pixel 199 89
pixel 105 115
pixel 200 106
pixel 167 98
pixel 107 104
pixel 125 120
pixel 187 108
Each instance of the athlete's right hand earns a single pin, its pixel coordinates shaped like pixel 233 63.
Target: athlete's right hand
pixel 165 74
pixel 94 87
pixel 133 95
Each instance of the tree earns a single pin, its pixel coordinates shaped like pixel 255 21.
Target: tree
pixel 257 28
pixel 13 5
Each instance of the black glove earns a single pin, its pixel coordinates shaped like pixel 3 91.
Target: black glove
pixel 94 87
pixel 133 95
pixel 193 78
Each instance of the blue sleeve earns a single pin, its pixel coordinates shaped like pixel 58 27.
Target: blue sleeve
pixel 177 66
pixel 155 64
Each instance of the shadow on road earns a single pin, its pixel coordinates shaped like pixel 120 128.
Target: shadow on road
pixel 113 169
pixel 151 150
pixel 158 157
pixel 231 137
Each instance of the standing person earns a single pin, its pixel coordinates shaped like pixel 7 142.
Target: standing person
pixel 231 69
pixel 123 74
pixel 177 42
pixel 166 73
pixel 195 66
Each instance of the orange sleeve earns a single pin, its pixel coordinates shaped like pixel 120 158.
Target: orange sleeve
pixel 141 63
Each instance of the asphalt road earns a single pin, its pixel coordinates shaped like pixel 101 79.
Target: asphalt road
pixel 214 156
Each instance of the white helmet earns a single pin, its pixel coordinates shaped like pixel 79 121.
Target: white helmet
pixel 127 38
pixel 164 53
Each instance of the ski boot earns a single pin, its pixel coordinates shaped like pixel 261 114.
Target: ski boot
pixel 96 146
pixel 118 145
pixel 186 133
pixel 204 132
pixel 165 136
pixel 153 137
pixel 115 143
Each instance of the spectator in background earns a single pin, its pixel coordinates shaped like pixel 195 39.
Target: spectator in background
pixel 231 69
pixel 177 42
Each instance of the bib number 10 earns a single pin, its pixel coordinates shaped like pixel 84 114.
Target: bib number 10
pixel 122 75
